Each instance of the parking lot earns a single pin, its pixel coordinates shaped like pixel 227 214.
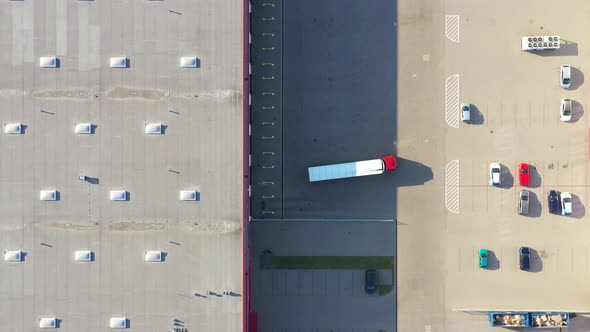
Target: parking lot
pixel 515 99
pixel 321 299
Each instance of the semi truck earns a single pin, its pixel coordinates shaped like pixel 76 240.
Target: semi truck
pixel 352 169
pixel 537 320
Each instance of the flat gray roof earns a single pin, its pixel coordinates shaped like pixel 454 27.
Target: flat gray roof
pixel 201 149
pixel 323 91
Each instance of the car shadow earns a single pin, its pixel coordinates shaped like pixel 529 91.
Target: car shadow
pixel 577 111
pixel 507 177
pixel 477 117
pixel 535 206
pixel 493 261
pixel 578 208
pixel 534 177
pixel 536 261
pixel 577 78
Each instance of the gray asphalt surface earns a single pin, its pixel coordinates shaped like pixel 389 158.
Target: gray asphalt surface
pixel 333 75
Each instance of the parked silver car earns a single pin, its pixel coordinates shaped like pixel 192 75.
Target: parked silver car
pixel 523 202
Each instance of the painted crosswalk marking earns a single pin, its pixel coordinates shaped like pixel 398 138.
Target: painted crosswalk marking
pixel 452 101
pixel 452 27
pixel 452 186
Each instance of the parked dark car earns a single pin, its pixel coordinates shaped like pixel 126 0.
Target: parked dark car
pixel 553 201
pixel 525 258
pixel 371 281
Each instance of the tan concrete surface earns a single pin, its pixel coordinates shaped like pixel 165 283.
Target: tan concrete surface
pixel 517 94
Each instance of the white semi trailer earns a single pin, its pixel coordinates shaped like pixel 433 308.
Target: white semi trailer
pixel 352 169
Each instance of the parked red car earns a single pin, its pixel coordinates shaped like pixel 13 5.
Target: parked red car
pixel 524 175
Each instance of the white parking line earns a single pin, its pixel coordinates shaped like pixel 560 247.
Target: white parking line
pixel 452 186
pixel 452 101
pixel 452 27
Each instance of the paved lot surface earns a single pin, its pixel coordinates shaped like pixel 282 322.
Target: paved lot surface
pixel 321 300
pixel 335 69
pixel 323 91
pixel 516 96
pixel 200 150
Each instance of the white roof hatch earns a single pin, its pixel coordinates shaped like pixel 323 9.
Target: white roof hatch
pixel 48 62
pixel 188 195
pixel 153 128
pixel 153 256
pixel 13 128
pixel 118 323
pixel 189 62
pixel 118 195
pixel 48 195
pixel 83 256
pixel 47 323
pixel 13 256
pixel 118 62
pixel 83 128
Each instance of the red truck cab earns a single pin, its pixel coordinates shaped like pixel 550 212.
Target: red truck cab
pixel 390 162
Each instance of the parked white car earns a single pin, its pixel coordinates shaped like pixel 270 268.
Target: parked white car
pixel 565 76
pixel 565 113
pixel 466 112
pixel 566 204
pixel 495 174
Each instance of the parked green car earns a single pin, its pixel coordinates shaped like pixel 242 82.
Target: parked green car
pixel 483 258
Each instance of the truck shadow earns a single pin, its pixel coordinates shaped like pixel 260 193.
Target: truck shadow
pixel 410 173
